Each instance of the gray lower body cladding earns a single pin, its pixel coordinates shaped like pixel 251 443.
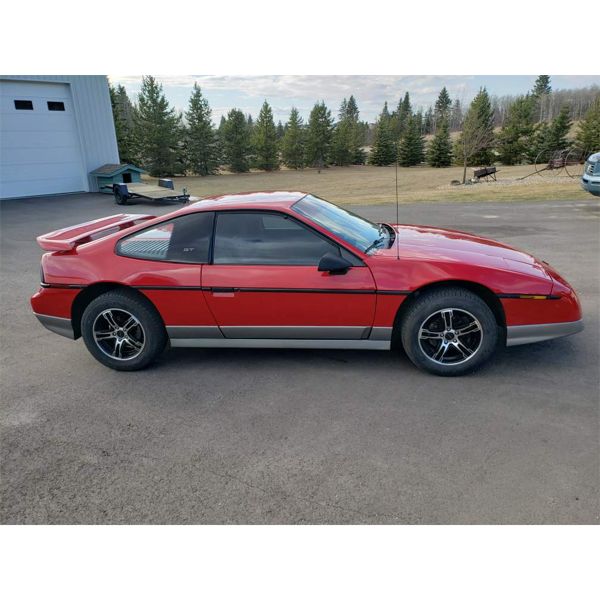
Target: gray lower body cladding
pixel 517 335
pixel 367 338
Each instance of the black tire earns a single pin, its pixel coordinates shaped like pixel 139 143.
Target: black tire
pixel 430 332
pixel 118 198
pixel 146 330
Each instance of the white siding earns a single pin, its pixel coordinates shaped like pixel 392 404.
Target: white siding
pixel 93 116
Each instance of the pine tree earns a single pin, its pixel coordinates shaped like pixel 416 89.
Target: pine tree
pixel 439 153
pixel 442 106
pixel 402 116
pixel 318 136
pixel 123 115
pixel 236 141
pixel 265 140
pixel 456 116
pixel 477 134
pixel 383 152
pixel 541 92
pixel 551 137
pixel 516 138
pixel 292 144
pixel 158 131
pixel 480 132
pixel 346 146
pixel 542 86
pixel 340 139
pixel 201 143
pixel 412 144
pixel 588 133
pixel 428 121
pixel 280 130
pixel 357 133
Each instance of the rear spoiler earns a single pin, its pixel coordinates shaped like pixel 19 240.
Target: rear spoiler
pixel 69 237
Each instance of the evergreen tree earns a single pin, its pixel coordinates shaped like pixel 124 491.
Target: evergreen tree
pixel 477 134
pixel 318 136
pixel 201 143
pixel 280 130
pixel 236 141
pixel 439 153
pixel 352 111
pixel 428 121
pixel 402 116
pixel 341 154
pixel 541 86
pixel 123 116
pixel 552 136
pixel 456 115
pixel 541 92
pixel 442 104
pixel 265 140
pixel 357 133
pixel 480 129
pixel 383 151
pixel 158 131
pixel 588 133
pixel 292 144
pixel 412 144
pixel 516 138
pixel 346 147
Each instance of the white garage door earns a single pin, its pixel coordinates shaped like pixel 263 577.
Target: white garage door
pixel 40 150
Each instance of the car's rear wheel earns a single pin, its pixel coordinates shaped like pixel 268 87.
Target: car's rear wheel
pixel 123 331
pixel 449 331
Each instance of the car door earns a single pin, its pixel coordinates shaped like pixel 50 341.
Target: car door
pixel 263 281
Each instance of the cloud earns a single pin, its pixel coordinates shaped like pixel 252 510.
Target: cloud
pixel 368 88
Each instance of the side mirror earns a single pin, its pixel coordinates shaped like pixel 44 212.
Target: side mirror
pixel 334 264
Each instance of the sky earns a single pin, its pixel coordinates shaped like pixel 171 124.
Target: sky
pixel 248 92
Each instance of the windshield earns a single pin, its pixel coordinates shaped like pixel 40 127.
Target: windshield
pixel 355 230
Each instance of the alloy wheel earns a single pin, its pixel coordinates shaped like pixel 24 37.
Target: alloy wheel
pixel 450 336
pixel 119 334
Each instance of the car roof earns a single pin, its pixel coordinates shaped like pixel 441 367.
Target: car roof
pixel 269 200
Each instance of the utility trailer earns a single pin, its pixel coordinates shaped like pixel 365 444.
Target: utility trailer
pixel 165 190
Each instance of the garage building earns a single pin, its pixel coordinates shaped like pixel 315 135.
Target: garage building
pixel 54 130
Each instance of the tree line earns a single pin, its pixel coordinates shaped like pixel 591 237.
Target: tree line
pixel 152 134
pixel 527 135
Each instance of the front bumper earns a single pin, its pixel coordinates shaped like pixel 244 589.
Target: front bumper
pixel 516 335
pixel 58 325
pixel 591 184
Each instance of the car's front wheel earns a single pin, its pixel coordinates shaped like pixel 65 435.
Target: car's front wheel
pixel 449 331
pixel 122 331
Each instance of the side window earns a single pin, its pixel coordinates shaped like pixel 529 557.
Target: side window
pixel 256 238
pixel 184 239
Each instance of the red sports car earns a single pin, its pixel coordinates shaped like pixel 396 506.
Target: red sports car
pixel 289 270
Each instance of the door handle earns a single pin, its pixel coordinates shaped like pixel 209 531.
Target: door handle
pixel 223 292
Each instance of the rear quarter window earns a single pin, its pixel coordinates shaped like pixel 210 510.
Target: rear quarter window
pixel 184 239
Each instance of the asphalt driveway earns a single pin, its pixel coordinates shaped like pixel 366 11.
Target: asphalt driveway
pixel 271 436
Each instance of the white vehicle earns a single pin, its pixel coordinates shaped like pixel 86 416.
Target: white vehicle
pixel 590 181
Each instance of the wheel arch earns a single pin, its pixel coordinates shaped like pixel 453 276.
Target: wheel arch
pixel 91 292
pixel 480 290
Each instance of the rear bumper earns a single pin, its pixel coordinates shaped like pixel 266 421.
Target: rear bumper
pixel 58 325
pixel 516 335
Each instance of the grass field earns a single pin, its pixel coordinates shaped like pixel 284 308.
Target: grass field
pixel 374 185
